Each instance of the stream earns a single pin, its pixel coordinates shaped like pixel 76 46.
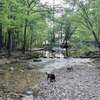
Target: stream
pixel 25 80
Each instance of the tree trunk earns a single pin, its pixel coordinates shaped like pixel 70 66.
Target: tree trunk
pixel 1 36
pixel 31 42
pixel 25 30
pixel 67 52
pixel 96 39
pixel 17 43
pixel 14 42
pixel 9 43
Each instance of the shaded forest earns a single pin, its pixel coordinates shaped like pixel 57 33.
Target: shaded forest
pixel 28 24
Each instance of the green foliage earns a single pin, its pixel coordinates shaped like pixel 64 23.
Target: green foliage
pixel 13 13
pixel 34 23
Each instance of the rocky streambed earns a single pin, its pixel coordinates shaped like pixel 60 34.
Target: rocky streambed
pixel 81 83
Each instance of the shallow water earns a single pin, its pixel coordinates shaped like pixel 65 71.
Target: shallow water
pixel 48 65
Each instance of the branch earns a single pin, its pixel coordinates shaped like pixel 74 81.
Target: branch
pixel 87 18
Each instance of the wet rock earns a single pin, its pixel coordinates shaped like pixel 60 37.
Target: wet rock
pixel 2 72
pixel 37 60
pixel 29 66
pixel 44 57
pixel 22 71
pixel 28 95
pixel 1 98
pixel 8 62
pixel 11 69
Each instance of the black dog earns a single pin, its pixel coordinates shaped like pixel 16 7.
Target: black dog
pixel 51 77
pixel 69 69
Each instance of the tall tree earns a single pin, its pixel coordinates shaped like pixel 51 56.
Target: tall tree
pixel 1 38
pixel 88 20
